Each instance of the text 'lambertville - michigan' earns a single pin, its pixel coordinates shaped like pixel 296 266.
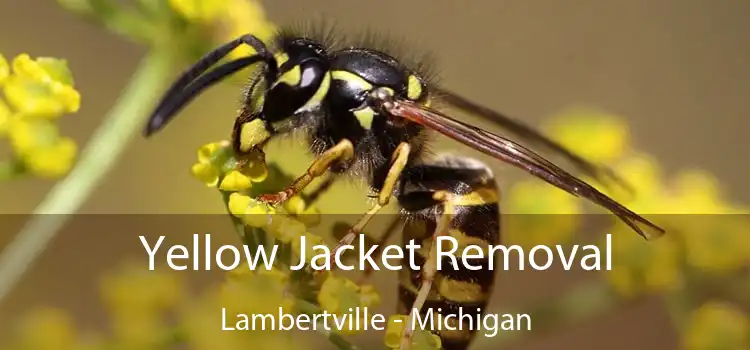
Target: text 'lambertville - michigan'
pixel 202 255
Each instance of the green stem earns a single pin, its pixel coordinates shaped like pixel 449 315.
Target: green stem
pixel 101 154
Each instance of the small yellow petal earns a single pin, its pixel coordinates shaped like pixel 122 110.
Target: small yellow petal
pixel 36 98
pixel 52 162
pixel 717 325
pixel 27 135
pixel 238 204
pixel 295 205
pixel 697 192
pixel 247 17
pixel 642 172
pixel 198 10
pixel 57 327
pixel 68 97
pixel 24 65
pixel 235 181
pixel 42 87
pixel 641 267
pixel 4 69
pixel 581 129
pixel 537 197
pixel 56 70
pixel 206 173
pixel 206 152
pixel 6 116
pixel 310 217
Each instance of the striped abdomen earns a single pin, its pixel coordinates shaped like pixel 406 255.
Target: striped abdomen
pixel 456 290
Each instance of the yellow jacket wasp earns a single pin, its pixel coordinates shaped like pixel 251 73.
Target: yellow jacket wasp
pixel 367 114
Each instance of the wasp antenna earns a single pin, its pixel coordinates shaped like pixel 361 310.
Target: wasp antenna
pixel 169 107
pixel 191 83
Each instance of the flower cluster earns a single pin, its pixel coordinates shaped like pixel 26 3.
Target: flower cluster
pixel 153 310
pixel 233 18
pixel 717 325
pixel 422 339
pixel 37 92
pixel 245 292
pixel 706 239
pixel 238 179
pixel 187 27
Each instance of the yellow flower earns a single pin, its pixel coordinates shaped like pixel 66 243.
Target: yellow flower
pixel 597 136
pixel 199 10
pixel 215 160
pixel 696 192
pixel 339 295
pixel 6 116
pixel 235 181
pixel 57 327
pixel 234 18
pixel 716 243
pixel 244 17
pixel 421 340
pixel 44 69
pixel 4 69
pixel 41 148
pixel 245 292
pixel 41 88
pixel 541 214
pixel 135 288
pixel 640 267
pixel 717 326
pixel 286 229
pixel 37 92
pixel 250 211
pixel 713 242
pixel 295 205
pixel 209 150
pixel 693 211
pixel 259 292
pixel 642 172
pixel 238 204
pixel 138 300
pixel 206 173
pixel 53 161
pixel 27 135
pixel 211 159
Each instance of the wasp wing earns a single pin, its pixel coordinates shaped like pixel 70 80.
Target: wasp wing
pixel 517 155
pixel 529 134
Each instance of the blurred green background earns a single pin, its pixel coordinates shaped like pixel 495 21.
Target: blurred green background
pixel 676 71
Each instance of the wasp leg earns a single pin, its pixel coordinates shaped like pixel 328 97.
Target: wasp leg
pixel 314 195
pixel 342 151
pixel 379 250
pixel 398 163
pixel 429 269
